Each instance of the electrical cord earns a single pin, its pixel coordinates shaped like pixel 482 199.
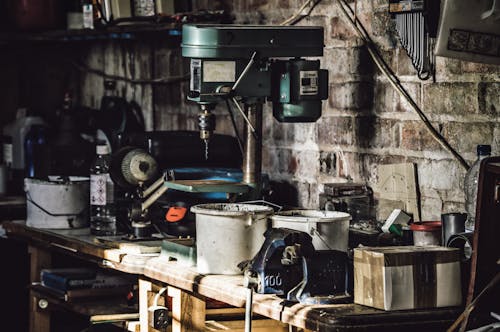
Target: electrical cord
pixel 291 19
pixel 166 80
pixel 384 68
pixel 393 80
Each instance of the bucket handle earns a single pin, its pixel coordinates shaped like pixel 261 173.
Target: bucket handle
pixel 251 220
pixel 311 227
pixel 262 201
pixel 29 199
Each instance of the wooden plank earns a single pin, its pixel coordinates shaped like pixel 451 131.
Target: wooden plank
pixel 145 286
pixel 260 325
pixel 188 311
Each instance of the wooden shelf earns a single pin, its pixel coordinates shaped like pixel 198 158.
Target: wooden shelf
pixel 171 33
pixel 107 309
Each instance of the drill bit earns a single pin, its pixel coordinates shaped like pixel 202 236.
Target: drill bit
pixel 206 148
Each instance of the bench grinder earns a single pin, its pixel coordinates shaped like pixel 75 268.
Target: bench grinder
pixel 249 65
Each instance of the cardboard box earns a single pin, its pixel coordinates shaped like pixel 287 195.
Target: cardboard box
pixel 410 277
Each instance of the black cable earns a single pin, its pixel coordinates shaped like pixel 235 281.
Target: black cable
pixel 235 127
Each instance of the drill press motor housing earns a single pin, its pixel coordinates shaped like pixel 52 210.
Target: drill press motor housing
pixel 230 61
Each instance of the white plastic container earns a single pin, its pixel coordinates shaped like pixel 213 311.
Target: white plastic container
pixel 329 229
pixel 57 204
pixel 227 234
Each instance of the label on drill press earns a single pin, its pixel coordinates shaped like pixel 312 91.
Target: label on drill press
pixel 219 71
pixel 195 83
pixel 308 82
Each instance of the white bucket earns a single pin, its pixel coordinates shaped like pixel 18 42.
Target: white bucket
pixel 227 234
pixel 57 203
pixel 329 229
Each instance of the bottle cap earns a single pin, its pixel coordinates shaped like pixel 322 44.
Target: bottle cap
pixel 483 150
pixel 102 149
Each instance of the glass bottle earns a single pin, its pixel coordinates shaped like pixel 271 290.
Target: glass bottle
pixel 471 183
pixel 102 200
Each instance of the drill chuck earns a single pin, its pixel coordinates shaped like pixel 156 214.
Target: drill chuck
pixel 206 124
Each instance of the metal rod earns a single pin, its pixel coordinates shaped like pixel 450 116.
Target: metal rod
pixel 154 196
pixel 244 115
pixel 253 147
pixel 152 187
pixel 245 71
pixel 248 310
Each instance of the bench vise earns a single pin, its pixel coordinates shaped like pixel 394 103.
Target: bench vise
pixel 288 265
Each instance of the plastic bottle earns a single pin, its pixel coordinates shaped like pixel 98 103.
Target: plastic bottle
pixel 35 139
pixel 470 185
pixel 102 203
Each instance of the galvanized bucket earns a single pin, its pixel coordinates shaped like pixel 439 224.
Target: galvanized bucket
pixel 227 234
pixel 60 203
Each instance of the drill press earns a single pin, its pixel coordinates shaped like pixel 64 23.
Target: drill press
pixel 251 64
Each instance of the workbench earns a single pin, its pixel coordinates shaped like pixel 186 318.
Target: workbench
pixel 191 291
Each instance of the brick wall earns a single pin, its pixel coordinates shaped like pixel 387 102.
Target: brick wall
pixel 365 123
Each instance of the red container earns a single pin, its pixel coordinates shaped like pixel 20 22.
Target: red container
pixel 31 15
pixel 426 233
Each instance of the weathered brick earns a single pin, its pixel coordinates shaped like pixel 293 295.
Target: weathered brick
pixel 383 30
pixel 369 164
pixel 404 64
pixel 302 164
pixel 441 174
pixel 387 99
pixel 373 132
pixel 345 64
pixel 341 29
pixel 431 208
pixel 351 95
pixel 451 98
pixel 414 136
pixel 335 131
pixel 489 98
pixel 464 137
pixel 328 162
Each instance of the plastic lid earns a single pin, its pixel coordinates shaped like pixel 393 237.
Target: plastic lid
pixel 428 226
pixel 102 149
pixel 484 150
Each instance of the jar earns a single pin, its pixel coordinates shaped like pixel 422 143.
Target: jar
pixel 426 233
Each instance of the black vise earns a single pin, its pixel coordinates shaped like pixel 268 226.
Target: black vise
pixel 288 265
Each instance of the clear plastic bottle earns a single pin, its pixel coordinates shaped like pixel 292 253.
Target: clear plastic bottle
pixel 470 185
pixel 102 203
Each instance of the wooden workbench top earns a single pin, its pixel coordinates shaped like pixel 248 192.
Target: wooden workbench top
pixel 229 289
pixel 129 257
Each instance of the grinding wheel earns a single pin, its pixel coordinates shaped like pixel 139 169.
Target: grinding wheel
pixel 131 166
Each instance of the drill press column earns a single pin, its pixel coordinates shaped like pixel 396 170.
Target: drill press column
pixel 253 147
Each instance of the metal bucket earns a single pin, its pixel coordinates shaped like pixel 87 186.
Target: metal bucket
pixel 329 229
pixel 227 234
pixel 57 203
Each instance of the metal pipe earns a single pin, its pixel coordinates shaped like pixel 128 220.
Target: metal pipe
pixel 253 148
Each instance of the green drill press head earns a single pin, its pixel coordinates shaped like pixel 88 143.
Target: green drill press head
pixel 262 62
